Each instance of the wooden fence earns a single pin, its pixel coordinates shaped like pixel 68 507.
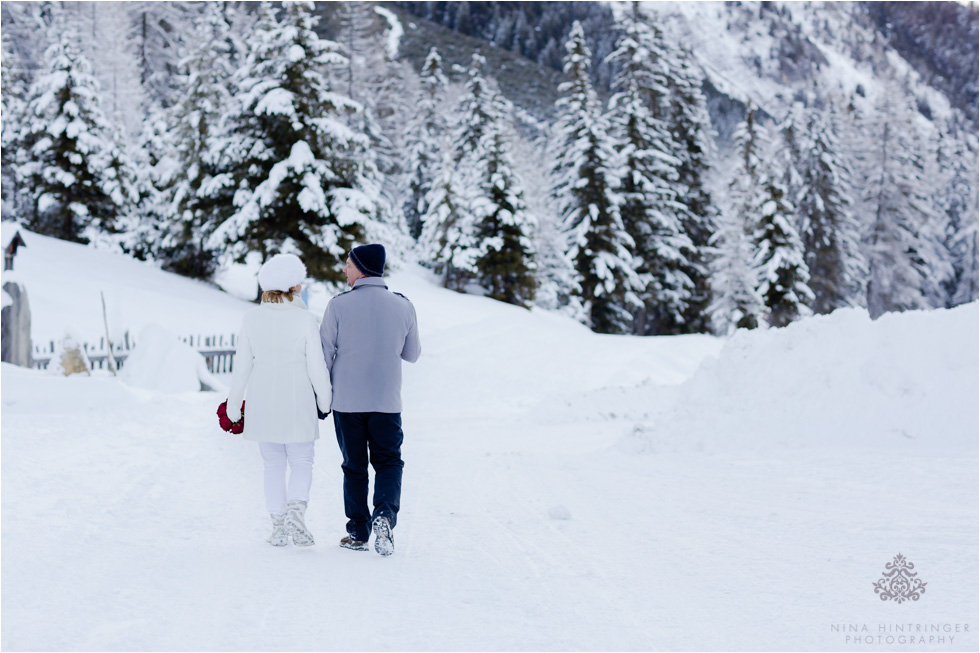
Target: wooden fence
pixel 218 352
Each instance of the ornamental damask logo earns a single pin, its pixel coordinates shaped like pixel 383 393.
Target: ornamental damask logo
pixel 898 582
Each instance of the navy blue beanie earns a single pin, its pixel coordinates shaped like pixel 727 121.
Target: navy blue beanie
pixel 369 259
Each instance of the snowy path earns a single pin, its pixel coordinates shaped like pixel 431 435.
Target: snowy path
pixel 562 491
pixel 144 530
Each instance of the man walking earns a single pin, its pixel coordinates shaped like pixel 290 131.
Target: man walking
pixel 366 333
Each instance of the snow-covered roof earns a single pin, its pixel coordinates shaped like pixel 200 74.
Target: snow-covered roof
pixel 8 231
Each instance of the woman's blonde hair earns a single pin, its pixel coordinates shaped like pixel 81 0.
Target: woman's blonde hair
pixel 277 296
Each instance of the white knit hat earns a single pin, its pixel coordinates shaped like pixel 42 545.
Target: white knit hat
pixel 281 272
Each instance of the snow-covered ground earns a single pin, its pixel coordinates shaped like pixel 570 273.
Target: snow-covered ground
pixel 562 490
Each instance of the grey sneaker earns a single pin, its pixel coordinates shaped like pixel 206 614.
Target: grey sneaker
pixel 352 544
pixel 384 541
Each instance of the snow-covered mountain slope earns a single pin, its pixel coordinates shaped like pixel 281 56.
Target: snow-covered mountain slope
pixel 782 53
pixel 563 491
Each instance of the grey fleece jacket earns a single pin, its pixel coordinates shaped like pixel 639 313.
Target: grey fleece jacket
pixel 366 333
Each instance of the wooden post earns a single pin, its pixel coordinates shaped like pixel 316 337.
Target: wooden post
pixel 110 361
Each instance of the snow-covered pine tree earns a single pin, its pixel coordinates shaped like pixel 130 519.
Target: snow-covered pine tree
pixel 962 207
pixel 377 83
pixel 111 48
pixel 648 181
pixel 780 267
pixel 965 242
pixel 781 270
pixel 356 31
pixel 904 267
pixel 12 80
pixel 198 191
pixel 144 231
pixel 893 283
pixel 965 239
pixel 795 142
pixel 158 29
pixel 958 200
pixel 241 18
pixel 76 175
pixel 474 114
pixel 390 104
pixel 735 302
pixel 447 242
pixel 503 231
pixel 829 229
pixel 373 79
pixel 482 233
pixel 735 280
pixel 12 116
pixel 299 172
pixel 122 183
pixel 692 136
pixel 932 257
pixel 426 127
pixel 386 100
pixel 556 281
pixel 584 181
pixel 502 225
pixel 555 273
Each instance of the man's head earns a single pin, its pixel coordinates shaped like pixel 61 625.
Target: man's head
pixel 365 261
pixel 352 273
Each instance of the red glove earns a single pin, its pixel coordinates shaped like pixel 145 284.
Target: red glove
pixel 226 423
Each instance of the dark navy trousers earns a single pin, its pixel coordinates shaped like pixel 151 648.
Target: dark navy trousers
pixel 375 438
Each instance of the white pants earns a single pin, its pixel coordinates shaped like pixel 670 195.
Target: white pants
pixel 300 459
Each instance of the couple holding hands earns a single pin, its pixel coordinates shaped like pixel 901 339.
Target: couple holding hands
pixel 351 365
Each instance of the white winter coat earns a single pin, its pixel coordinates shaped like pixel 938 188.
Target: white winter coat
pixel 280 360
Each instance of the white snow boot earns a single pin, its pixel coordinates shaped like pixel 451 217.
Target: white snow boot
pixel 296 524
pixel 278 537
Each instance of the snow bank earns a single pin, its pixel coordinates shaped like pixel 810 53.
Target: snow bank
pixel 489 359
pixel 163 363
pixel 908 381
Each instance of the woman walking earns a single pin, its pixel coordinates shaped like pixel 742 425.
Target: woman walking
pixel 280 361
